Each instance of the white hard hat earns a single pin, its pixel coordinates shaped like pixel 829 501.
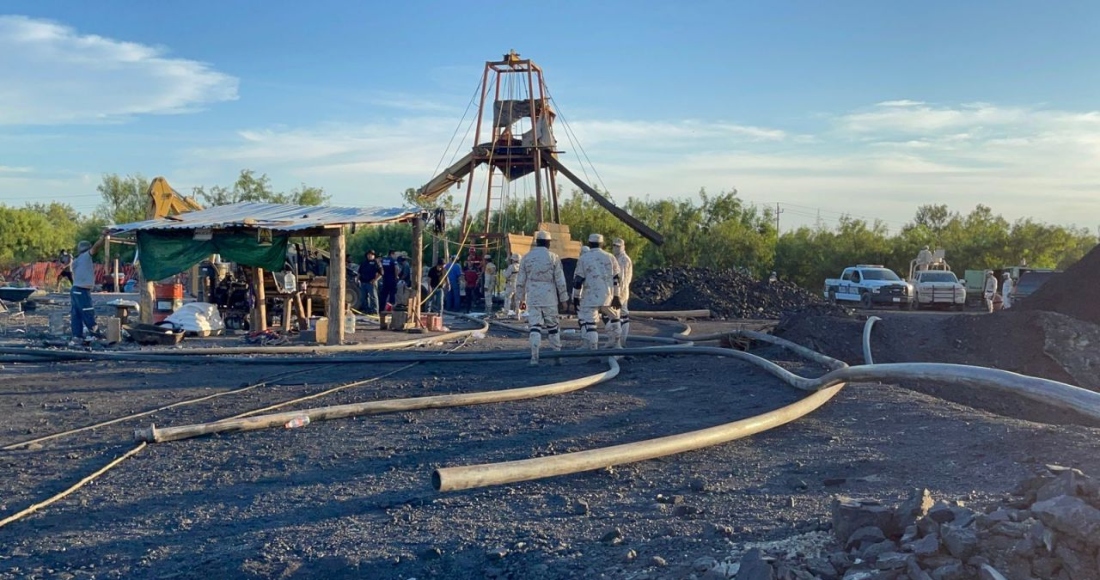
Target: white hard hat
pixel 585 249
pixel 618 242
pixel 488 257
pixel 542 235
pixel 514 257
pixel 1006 275
pixel 595 238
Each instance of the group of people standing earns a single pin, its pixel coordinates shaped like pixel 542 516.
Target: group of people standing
pixel 378 279
pixel 989 291
pixel 535 283
pixel 600 290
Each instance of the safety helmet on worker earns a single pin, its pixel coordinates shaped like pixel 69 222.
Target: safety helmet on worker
pixel 542 235
pixel 514 257
pixel 595 240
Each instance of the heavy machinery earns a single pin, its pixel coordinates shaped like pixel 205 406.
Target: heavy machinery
pixel 518 144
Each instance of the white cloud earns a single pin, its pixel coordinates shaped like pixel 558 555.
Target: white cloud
pixel 880 161
pixel 52 75
pixel 9 169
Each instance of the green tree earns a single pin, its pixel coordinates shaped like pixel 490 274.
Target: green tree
pixel 125 199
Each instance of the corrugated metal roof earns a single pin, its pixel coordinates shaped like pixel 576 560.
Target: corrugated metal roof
pixel 272 216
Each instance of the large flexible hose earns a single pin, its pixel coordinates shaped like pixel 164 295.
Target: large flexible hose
pixel 160 435
pixel 1061 395
pixel 466 477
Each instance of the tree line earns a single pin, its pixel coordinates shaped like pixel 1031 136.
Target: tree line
pixel 723 231
pixel 709 230
pixel 39 231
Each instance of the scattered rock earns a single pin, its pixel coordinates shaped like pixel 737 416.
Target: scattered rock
pixel 497 553
pixel 698 485
pixel 684 509
pixel 913 508
pixel 613 536
pixel 987 572
pixel 850 514
pixel 580 507
pixel 658 562
pixel 754 567
pixel 630 556
pixel 1071 516
pixel 961 542
pixel 719 530
pixel 864 536
pixel 703 564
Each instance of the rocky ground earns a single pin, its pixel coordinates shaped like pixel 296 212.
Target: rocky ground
pixel 728 294
pixel 352 498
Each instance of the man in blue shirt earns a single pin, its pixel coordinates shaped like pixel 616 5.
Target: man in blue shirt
pixel 369 273
pixel 454 275
pixel 389 279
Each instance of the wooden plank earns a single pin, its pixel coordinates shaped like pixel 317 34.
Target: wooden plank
pixel 634 223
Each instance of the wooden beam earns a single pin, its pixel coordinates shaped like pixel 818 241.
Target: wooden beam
pixel 259 312
pixel 417 269
pixel 336 291
pixel 634 223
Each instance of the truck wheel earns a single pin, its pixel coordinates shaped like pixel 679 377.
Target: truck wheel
pixel 865 300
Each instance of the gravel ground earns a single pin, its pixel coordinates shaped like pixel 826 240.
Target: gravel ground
pixel 352 498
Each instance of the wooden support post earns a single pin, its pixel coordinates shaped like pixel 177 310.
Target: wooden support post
pixel 147 299
pixel 336 290
pixel 417 269
pixel 114 276
pixel 288 311
pixel 259 313
pixel 303 316
pixel 107 257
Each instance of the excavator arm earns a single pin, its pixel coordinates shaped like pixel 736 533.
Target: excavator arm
pixel 165 201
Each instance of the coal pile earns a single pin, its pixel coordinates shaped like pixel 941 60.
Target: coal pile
pixel 726 293
pixel 1070 292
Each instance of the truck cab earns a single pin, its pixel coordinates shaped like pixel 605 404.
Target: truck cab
pixel 934 284
pixel 869 284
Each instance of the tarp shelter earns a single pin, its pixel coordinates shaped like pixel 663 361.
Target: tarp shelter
pixel 251 234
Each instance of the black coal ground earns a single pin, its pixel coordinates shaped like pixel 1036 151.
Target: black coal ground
pixel 352 498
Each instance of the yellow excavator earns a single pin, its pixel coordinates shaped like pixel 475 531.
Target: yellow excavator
pixel 165 201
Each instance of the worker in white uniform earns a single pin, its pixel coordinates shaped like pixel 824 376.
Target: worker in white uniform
pixel 596 287
pixel 489 283
pixel 924 258
pixel 1007 288
pixel 626 267
pixel 989 292
pixel 510 275
pixel 541 289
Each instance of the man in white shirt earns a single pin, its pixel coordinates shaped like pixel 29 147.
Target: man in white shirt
pixel 82 312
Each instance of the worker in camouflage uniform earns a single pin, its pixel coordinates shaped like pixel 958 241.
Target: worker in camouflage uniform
pixel 510 275
pixel 540 289
pixel 596 287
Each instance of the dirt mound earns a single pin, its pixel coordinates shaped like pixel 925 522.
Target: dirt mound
pixel 727 293
pixel 1070 292
pixel 1042 344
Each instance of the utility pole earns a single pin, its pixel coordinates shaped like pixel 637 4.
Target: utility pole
pixel 775 260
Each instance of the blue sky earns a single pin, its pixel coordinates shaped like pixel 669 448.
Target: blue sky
pixel 869 108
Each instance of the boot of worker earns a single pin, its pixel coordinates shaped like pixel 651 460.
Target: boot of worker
pixel 555 343
pixel 616 334
pixel 624 333
pixel 536 341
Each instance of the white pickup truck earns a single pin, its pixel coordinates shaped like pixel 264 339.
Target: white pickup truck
pixel 869 284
